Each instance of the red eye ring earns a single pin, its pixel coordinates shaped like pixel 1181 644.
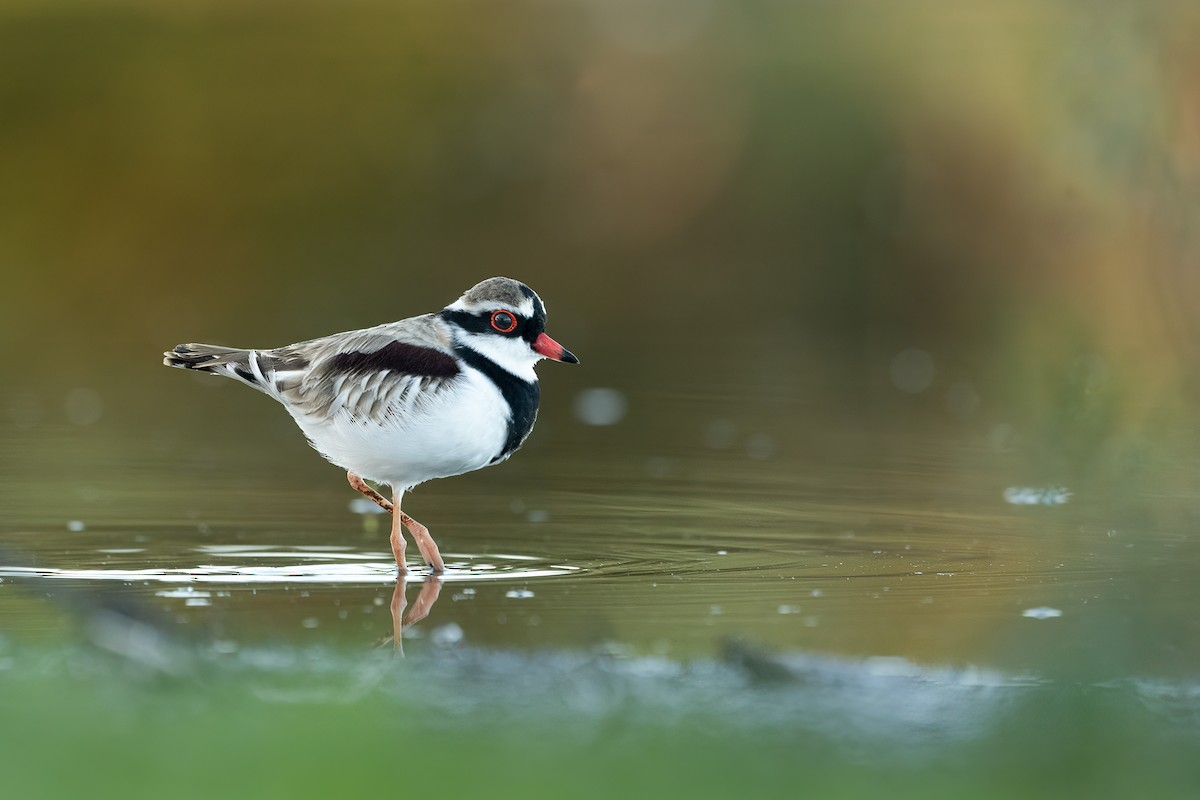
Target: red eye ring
pixel 502 325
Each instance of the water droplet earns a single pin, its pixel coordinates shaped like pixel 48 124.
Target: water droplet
pixel 1042 612
pixel 447 635
pixel 75 525
pixel 912 370
pixel 184 592
pixel 519 594
pixel 1037 495
pixel 600 406
pixel 361 505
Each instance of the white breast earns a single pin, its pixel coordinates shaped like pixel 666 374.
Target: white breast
pixel 457 428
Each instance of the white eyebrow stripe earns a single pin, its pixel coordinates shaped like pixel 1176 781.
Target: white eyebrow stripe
pixel 524 309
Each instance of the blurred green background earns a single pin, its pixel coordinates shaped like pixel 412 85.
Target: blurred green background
pixel 808 185
pixel 855 269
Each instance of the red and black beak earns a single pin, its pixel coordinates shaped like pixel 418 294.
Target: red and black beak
pixel 543 345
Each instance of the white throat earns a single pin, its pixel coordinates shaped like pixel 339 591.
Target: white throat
pixel 513 355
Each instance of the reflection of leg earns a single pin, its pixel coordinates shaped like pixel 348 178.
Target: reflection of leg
pixel 397 535
pixel 360 485
pixel 428 595
pixel 430 590
pixel 399 603
pixel 425 543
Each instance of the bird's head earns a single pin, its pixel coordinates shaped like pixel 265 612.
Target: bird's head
pixel 505 320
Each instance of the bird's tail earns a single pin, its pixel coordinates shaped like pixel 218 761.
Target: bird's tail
pixel 232 362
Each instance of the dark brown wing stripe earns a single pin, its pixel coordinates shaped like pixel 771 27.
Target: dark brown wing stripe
pixel 409 359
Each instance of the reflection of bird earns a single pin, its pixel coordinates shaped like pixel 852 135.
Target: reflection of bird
pixel 405 402
pixel 401 621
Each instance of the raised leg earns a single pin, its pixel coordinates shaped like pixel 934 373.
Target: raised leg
pixel 361 486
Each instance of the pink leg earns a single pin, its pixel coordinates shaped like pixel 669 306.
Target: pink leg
pixel 425 543
pixel 398 544
pixel 361 486
pixel 420 534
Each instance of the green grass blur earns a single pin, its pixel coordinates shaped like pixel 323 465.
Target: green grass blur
pixel 304 735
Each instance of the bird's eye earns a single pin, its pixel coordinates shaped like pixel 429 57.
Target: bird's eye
pixel 504 321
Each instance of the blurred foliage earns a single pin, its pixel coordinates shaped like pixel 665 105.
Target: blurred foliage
pixel 1008 186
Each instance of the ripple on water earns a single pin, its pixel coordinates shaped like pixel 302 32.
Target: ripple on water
pixel 247 564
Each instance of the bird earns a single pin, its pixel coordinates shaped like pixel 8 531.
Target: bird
pixel 406 402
